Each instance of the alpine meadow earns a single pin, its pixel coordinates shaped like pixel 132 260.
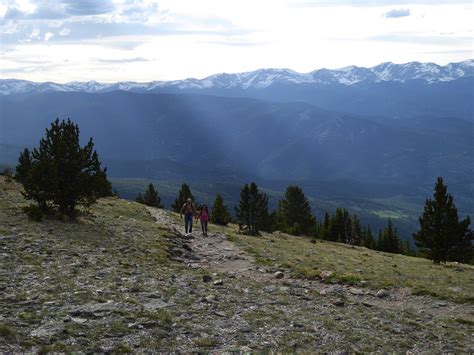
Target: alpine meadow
pixel 241 176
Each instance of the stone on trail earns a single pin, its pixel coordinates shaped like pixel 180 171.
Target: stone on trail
pixel 210 298
pixel 325 274
pixel 206 278
pixel 338 303
pixel 279 275
pixel 218 283
pixel 382 293
pixel 356 291
pixel 155 304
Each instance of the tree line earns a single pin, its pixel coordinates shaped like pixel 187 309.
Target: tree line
pixel 60 175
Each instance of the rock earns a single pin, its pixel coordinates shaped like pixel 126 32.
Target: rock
pixel 279 275
pixel 356 291
pixel 155 304
pixel 210 298
pixel 78 320
pixel 218 283
pixel 220 314
pixel 455 289
pixel 269 289
pixel 97 310
pixel 338 303
pixel 47 330
pixel 206 278
pixel 382 293
pixel 326 274
pixel 459 269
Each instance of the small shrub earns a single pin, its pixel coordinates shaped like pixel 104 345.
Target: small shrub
pixel 122 349
pixel 465 321
pixel 204 342
pixel 34 212
pixel 7 332
pixel 349 279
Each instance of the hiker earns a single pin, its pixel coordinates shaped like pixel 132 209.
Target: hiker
pixel 188 210
pixel 204 217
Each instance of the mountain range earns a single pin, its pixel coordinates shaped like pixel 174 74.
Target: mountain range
pixel 263 78
pixel 357 133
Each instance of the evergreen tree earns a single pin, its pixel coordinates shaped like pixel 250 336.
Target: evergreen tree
pixel 139 198
pixel 62 174
pixel 324 230
pixel 340 227
pixel 368 238
pixel 150 198
pixel 219 213
pixel 347 237
pixel 441 236
pixel 294 213
pixel 24 167
pixel 183 195
pixel 252 211
pixel 357 234
pixel 388 240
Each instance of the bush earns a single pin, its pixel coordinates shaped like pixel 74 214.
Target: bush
pixel 34 212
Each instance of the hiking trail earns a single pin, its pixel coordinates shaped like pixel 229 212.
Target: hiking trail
pixel 216 254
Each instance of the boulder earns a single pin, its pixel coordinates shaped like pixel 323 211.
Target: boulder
pixel 279 275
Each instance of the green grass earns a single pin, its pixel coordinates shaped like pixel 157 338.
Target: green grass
pixel 378 269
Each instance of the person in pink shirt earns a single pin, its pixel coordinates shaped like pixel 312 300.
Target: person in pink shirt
pixel 203 216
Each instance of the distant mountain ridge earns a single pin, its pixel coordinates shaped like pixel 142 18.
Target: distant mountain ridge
pixel 429 73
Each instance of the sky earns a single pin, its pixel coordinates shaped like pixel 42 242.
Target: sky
pixel 145 40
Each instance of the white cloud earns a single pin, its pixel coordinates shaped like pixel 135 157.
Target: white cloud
pixel 48 35
pixel 109 41
pixel 64 32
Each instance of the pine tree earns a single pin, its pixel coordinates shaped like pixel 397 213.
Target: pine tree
pixel 151 198
pixel 24 167
pixel 183 195
pixel 441 236
pixel 357 234
pixel 60 174
pixel 252 211
pixel 368 238
pixel 324 230
pixel 219 213
pixel 139 198
pixel 294 213
pixel 388 240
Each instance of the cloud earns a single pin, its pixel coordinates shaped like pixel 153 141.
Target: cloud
pixel 59 9
pixel 372 3
pixel 64 32
pixel 122 60
pixel 397 13
pixel 47 36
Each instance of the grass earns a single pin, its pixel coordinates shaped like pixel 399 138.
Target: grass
pixel 378 269
pixel 204 342
pixel 115 253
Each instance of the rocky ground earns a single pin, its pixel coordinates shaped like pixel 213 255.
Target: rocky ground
pixel 126 278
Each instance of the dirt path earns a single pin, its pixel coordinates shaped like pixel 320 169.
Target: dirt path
pixel 217 254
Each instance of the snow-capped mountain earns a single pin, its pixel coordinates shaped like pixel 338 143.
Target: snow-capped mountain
pixel 263 78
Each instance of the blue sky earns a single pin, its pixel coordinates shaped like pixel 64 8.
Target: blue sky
pixel 144 40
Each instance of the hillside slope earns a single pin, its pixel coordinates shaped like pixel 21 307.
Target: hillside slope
pixel 124 277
